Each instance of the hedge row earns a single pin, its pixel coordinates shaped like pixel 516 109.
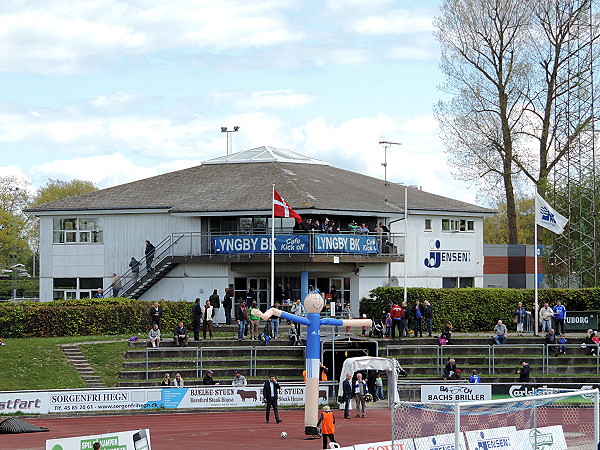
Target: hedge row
pixel 478 309
pixel 87 317
pixel 26 287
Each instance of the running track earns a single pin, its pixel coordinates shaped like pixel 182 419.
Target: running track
pixel 208 430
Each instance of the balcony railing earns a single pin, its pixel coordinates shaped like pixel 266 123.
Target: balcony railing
pixel 196 244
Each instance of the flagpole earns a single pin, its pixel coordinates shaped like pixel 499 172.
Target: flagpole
pixel 535 281
pixel 273 246
pixel 405 238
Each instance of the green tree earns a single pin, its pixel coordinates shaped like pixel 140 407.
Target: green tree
pixel 14 195
pixel 515 71
pixel 58 189
pixel 495 227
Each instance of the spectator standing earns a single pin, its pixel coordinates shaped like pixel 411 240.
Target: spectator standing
pixel 251 296
pixel 154 335
pixel 333 228
pixel 562 345
pixel 428 315
pixel 208 379
pixel 560 313
pixel 500 332
pixel 178 381
pixel 254 322
pixel 116 285
pixel 347 392
pixel 379 388
pixel 134 265
pixel 156 313
pixel 271 390
pixel 327 422
pixel 180 335
pixel 418 319
pixel 519 318
pixel 215 302
pixel 299 310
pixel 551 342
pixel 524 372
pixel 239 380
pixel 275 322
pixel 197 317
pixel 546 315
pixel 241 317
pixel 396 314
pixel 388 326
pixel 363 229
pixel 149 252
pixel 360 391
pixel 474 377
pixel 405 320
pixel 207 316
pixel 451 371
pixel 227 305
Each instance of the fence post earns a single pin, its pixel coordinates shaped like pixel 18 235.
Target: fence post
pixel 147 363
pixel 197 375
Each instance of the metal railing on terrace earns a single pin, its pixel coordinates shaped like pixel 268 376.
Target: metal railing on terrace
pixel 441 353
pixel 197 244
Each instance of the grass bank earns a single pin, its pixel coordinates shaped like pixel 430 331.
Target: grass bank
pixel 39 363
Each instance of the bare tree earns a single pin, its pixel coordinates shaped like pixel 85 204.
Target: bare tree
pixel 515 71
pixel 484 59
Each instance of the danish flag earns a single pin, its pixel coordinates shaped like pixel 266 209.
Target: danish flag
pixel 281 208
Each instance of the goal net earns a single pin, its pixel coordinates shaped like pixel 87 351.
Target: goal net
pixel 546 420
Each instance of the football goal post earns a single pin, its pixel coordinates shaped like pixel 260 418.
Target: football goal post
pixel 547 420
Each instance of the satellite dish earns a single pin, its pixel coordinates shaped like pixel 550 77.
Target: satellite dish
pixel 393 282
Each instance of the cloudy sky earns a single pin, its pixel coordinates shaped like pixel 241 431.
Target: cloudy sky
pixel 113 91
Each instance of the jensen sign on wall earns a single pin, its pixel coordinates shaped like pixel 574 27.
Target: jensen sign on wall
pixel 445 253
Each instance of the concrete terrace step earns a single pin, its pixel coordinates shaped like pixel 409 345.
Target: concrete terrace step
pixel 225 373
pixel 79 362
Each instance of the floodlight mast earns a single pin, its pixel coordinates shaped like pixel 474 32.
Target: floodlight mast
pixel 229 132
pixel 386 145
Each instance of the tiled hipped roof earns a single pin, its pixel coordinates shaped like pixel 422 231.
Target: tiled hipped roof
pixel 233 186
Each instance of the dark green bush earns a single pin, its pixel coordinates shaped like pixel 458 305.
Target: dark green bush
pixel 478 309
pixel 87 317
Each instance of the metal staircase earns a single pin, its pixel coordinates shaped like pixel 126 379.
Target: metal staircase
pixel 162 263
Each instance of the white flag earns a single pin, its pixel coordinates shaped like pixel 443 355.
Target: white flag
pixel 547 217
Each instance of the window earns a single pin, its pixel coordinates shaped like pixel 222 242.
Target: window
pixel 75 287
pixel 466 282
pixel 458 225
pixel 428 225
pixel 73 231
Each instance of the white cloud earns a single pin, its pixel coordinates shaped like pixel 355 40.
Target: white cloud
pixel 104 171
pixel 69 36
pixel 396 22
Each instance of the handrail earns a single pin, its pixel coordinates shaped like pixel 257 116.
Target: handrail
pixel 199 359
pixel 200 244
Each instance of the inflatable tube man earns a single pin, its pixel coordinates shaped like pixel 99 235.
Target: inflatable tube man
pixel 313 303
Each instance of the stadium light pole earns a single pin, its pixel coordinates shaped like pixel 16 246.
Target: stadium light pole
pixel 386 145
pixel 229 133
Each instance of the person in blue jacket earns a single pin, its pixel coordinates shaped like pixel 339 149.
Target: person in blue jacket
pixel 560 313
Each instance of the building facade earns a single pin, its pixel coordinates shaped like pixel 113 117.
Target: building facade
pixel 211 227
